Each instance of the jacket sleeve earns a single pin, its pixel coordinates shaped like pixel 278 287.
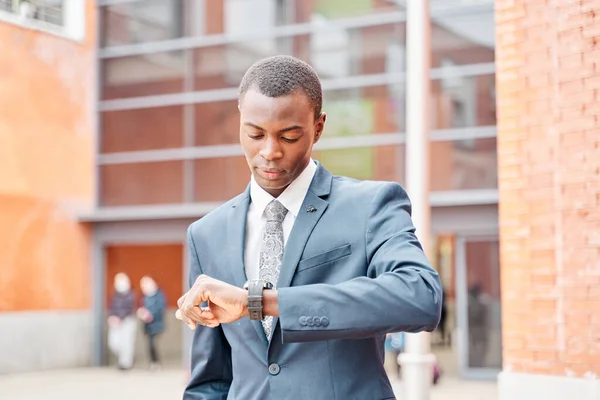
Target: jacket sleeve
pixel 157 309
pixel 211 373
pixel 401 291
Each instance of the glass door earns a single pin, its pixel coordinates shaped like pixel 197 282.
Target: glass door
pixel 478 306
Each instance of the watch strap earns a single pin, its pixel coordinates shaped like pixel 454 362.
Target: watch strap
pixel 255 299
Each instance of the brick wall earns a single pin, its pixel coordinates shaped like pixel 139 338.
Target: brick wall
pixel 46 167
pixel 548 62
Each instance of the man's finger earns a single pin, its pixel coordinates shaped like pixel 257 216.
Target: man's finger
pixel 181 300
pixel 181 315
pixel 201 315
pixel 194 297
pixel 187 303
pixel 190 311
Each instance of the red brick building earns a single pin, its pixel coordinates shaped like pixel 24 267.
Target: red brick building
pixel 548 79
pixel 119 128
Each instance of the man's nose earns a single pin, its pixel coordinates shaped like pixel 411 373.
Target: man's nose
pixel 271 150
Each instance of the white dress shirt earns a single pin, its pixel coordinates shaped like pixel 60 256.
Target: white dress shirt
pixel 291 198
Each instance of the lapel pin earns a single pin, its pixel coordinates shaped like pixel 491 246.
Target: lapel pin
pixel 311 209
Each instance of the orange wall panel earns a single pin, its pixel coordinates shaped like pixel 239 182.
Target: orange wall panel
pixel 45 258
pixel 46 167
pixel 164 263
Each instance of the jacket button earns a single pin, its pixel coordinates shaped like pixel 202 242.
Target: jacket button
pixel 274 369
pixel 302 321
pixel 324 321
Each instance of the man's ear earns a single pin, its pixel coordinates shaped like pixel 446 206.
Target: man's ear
pixel 319 126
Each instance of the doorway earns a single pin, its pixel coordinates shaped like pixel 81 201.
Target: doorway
pixel 163 262
pixel 147 247
pixel 478 307
pixel 464 245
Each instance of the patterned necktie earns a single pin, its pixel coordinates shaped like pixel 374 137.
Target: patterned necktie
pixel 271 251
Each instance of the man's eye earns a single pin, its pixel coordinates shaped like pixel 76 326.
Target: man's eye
pixel 255 137
pixel 289 140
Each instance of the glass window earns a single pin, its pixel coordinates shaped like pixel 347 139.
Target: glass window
pixel 307 11
pixel 142 183
pixel 250 16
pixel 60 17
pixel 463 39
pixel 219 179
pixel 142 129
pixel 44 12
pixel 376 163
pixel 361 111
pixel 464 165
pixel 460 102
pixel 437 5
pixel 143 75
pixel 456 165
pixel 216 123
pixel 333 52
pixel 142 21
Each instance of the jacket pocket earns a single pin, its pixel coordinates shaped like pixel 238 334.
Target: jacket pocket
pixel 324 258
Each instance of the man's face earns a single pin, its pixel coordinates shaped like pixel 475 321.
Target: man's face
pixel 277 135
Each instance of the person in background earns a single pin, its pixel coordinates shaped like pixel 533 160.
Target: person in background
pixel 122 323
pixel 152 314
pixel 445 338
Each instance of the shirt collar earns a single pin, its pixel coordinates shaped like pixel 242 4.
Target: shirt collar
pixel 292 197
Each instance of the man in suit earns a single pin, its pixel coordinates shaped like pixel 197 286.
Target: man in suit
pixel 296 282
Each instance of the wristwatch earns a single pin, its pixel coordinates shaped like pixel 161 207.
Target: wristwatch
pixel 255 297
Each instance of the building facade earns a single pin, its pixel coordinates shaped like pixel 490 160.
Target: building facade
pixel 140 107
pixel 168 147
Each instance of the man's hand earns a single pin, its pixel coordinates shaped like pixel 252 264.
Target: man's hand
pixel 226 303
pixel 113 321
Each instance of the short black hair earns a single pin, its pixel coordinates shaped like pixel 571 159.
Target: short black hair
pixel 281 75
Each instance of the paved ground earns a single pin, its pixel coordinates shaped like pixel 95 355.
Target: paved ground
pixel 103 384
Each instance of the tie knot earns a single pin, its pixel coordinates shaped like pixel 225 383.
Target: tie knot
pixel 275 212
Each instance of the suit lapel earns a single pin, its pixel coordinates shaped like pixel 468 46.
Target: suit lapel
pixel 310 213
pixel 236 233
pixel 312 209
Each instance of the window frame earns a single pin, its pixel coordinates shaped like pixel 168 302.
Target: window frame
pixel 73 27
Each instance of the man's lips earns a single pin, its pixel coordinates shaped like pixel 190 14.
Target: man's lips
pixel 270 173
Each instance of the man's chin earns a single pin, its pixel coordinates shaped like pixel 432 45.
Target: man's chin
pixel 272 184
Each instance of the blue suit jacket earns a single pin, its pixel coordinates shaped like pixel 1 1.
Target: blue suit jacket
pixel 353 270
